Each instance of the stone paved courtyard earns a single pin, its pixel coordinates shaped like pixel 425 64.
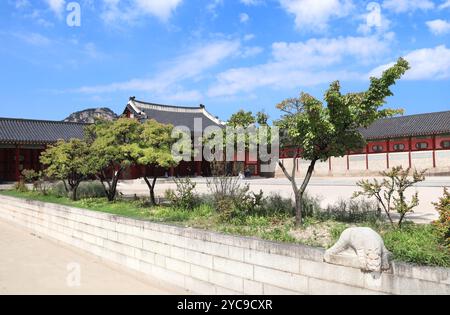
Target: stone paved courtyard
pixel 31 264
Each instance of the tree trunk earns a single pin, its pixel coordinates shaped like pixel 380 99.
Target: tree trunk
pixel 111 190
pixel 151 187
pixel 299 192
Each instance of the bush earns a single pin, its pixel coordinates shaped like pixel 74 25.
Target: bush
pixel 86 190
pixel 92 189
pixel 352 211
pixel 443 224
pixel 391 192
pixel 420 244
pixel 229 196
pixel 277 205
pixel 20 186
pixel 39 181
pixel 30 176
pixel 184 196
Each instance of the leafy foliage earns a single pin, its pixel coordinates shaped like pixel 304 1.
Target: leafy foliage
pixel 30 176
pixel 242 119
pixel 391 192
pixel 184 196
pixel 443 224
pixel 155 148
pixel 114 146
pixel 320 132
pixel 69 162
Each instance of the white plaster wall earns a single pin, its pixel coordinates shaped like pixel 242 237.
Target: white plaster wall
pixel 443 160
pixel 358 162
pixel 422 160
pixel 377 162
pixel 399 159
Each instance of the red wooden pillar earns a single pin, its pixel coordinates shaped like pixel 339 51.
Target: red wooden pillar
pixel 410 151
pixel 172 172
pixel 388 149
pixel 434 151
pixel 198 167
pixel 348 160
pixel 367 157
pixel 17 166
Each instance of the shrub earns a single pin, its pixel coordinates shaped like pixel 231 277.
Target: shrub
pixel 228 196
pixel 351 211
pixel 92 189
pixel 30 176
pixel 184 196
pixel 40 182
pixel 391 192
pixel 20 186
pixel 86 190
pixel 443 224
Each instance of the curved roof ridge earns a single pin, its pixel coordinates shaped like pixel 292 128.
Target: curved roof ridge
pixel 164 106
pixel 140 106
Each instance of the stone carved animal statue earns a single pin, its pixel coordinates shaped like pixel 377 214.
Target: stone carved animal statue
pixel 368 246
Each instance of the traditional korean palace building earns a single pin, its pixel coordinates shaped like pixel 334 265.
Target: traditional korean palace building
pixel 419 141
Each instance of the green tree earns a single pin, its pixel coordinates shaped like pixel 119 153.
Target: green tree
pixel 114 147
pixel 156 143
pixel 242 119
pixel 320 132
pixel 68 162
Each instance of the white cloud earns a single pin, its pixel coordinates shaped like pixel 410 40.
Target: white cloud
pixel 244 17
pixel 117 10
pixel 402 6
pixel 191 65
pixel 445 5
pixel 439 27
pixel 300 64
pixel 249 37
pixel 20 4
pixel 57 6
pixel 251 51
pixel 252 2
pixel 426 64
pixel 315 15
pixel 160 9
pixel 34 39
pixel 212 7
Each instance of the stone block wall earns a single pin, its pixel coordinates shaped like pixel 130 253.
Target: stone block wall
pixel 210 263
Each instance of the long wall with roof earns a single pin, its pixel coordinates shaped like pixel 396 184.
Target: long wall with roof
pixel 431 153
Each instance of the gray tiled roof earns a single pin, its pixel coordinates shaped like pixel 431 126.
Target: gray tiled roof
pixel 415 125
pixel 23 131
pixel 174 115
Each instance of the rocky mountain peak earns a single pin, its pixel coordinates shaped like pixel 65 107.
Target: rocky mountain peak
pixel 89 116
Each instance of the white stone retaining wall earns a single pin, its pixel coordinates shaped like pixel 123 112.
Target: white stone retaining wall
pixel 210 263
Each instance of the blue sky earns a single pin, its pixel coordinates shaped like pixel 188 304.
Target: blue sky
pixel 226 54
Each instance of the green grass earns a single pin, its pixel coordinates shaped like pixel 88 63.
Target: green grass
pixel 419 244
